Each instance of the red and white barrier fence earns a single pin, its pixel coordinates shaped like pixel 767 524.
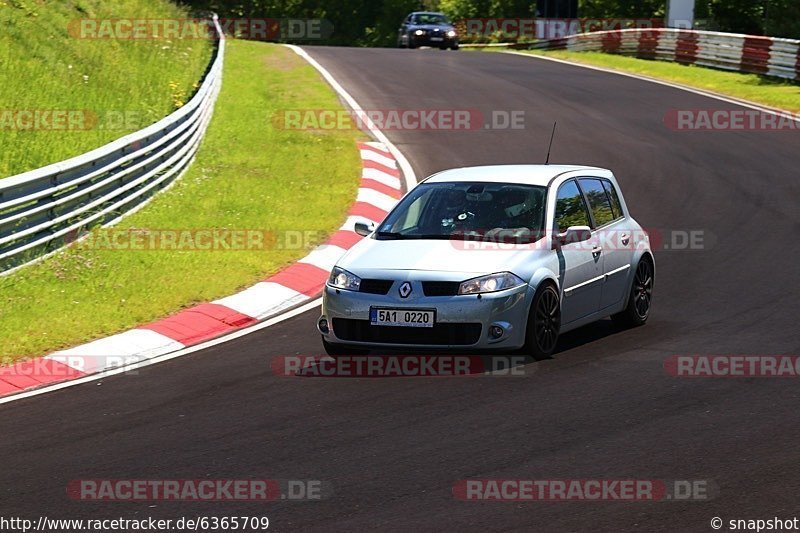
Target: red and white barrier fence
pixel 770 56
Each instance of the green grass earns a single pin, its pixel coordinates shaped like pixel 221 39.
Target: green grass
pixel 45 66
pixel 772 92
pixel 248 175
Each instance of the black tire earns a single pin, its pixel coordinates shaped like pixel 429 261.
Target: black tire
pixel 454 47
pixel 411 44
pixel 640 299
pixel 443 47
pixel 544 323
pixel 335 350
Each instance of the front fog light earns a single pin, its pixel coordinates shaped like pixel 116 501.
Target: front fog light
pixel 495 332
pixel 322 325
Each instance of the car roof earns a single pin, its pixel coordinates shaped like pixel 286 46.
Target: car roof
pixel 426 13
pixel 523 174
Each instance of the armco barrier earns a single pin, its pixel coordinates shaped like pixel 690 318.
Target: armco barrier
pixel 44 209
pixel 730 51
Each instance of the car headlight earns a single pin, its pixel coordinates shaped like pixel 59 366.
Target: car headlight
pixel 451 33
pixel 491 283
pixel 342 279
pixel 419 32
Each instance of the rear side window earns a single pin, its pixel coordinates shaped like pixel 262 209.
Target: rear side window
pixel 599 202
pixel 570 207
pixel 614 197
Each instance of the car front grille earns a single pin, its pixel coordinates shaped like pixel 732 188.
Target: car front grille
pixel 375 286
pixel 456 334
pixel 440 288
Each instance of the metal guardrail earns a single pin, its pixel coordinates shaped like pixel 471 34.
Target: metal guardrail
pixel 730 51
pixel 44 209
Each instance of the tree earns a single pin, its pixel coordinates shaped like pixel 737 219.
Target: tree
pixel 622 8
pixel 375 22
pixel 738 16
pixel 779 18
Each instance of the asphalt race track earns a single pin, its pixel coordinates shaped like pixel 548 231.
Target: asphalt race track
pixel 391 449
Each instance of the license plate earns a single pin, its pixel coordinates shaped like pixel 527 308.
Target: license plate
pixel 436 39
pixel 409 318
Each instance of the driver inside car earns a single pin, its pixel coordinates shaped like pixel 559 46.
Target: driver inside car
pixel 511 217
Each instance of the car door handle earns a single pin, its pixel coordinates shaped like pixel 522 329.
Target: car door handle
pixel 596 251
pixel 625 238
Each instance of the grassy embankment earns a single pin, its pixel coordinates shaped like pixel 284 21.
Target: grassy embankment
pixel 46 63
pixel 249 174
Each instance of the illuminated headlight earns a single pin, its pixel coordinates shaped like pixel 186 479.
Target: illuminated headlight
pixel 419 32
pixel 451 33
pixel 491 283
pixel 342 279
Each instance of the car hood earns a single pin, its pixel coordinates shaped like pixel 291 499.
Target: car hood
pixel 429 27
pixel 435 256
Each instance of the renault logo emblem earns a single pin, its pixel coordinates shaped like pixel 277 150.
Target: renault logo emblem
pixel 405 289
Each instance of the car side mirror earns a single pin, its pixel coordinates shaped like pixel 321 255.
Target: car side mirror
pixel 364 229
pixel 574 234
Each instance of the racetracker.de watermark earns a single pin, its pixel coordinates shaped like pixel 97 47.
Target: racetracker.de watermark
pixel 257 29
pixel 209 490
pixel 733 366
pixel 60 367
pixel 72 120
pixel 520 239
pixel 731 120
pixel 399 119
pixel 546 28
pixel 399 366
pixel 194 240
pixel 47 119
pixel 592 490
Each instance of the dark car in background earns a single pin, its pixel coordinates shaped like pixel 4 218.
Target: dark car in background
pixel 427 29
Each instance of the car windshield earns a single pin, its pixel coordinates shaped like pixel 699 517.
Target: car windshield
pixel 430 18
pixel 489 211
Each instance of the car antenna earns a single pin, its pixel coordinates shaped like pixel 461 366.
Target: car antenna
pixel 547 161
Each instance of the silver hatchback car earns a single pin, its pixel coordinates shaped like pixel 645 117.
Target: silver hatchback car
pixel 492 258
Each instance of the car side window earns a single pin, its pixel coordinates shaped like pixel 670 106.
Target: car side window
pixel 599 202
pixel 570 207
pixel 614 197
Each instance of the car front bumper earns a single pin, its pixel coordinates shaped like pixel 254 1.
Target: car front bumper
pixel 462 322
pixel 428 40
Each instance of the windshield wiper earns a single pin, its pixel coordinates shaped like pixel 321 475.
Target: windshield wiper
pixel 396 235
pixel 438 236
pixel 390 234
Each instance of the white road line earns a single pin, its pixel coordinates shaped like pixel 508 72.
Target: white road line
pixel 405 166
